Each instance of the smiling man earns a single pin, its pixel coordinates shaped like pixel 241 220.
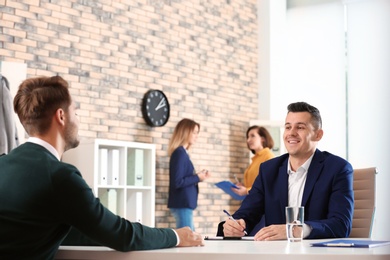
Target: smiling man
pixel 305 176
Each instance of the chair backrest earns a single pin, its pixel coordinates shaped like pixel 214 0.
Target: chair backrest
pixel 364 209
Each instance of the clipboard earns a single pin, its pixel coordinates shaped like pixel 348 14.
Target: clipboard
pixel 351 243
pixel 227 186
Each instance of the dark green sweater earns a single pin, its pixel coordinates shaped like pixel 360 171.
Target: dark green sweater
pixel 41 198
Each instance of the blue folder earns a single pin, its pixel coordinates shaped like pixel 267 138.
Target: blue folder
pixel 351 243
pixel 227 186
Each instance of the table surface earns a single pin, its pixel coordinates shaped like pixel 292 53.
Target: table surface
pixel 232 250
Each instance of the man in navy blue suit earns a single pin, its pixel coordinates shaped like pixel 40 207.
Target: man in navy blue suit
pixel 305 176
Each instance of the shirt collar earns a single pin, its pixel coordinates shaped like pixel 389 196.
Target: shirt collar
pixel 304 166
pixel 45 144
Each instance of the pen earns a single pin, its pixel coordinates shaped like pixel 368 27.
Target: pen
pixel 230 216
pixel 235 177
pixel 340 244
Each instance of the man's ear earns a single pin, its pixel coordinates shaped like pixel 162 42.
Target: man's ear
pixel 60 116
pixel 319 134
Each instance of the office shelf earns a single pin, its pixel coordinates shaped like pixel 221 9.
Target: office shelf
pixel 121 174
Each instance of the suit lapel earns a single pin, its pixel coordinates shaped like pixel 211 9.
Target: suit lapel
pixel 283 184
pixel 313 173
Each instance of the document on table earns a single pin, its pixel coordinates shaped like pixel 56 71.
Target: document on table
pixel 351 243
pixel 247 238
pixel 227 186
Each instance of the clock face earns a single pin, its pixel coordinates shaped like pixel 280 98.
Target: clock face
pixel 155 108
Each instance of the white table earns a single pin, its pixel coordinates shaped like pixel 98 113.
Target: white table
pixel 233 250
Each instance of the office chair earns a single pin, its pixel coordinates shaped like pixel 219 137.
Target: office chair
pixel 364 208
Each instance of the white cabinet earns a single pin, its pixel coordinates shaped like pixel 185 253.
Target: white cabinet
pixel 121 174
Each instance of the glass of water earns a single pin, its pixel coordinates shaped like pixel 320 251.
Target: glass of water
pixel 294 223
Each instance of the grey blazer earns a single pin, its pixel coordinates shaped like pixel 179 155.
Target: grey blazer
pixel 8 132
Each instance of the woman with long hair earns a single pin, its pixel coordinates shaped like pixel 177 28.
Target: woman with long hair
pixel 183 179
pixel 260 143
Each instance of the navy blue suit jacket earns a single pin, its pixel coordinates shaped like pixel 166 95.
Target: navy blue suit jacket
pixel 328 196
pixel 183 182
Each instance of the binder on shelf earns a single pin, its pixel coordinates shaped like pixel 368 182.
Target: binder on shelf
pixel 97 158
pixel 109 200
pixel 114 161
pixel 135 167
pixel 103 166
pixel 138 206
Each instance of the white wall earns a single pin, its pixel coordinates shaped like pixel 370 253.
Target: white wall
pixel 315 69
pixel 355 115
pixel 369 93
pixel 271 37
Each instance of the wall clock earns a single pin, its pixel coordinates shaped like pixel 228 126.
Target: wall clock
pixel 155 108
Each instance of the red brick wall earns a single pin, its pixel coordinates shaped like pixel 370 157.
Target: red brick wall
pixel 202 54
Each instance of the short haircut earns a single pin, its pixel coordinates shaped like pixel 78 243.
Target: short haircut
pixel 305 107
pixel 38 99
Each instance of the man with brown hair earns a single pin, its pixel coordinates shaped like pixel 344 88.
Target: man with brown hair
pixel 305 176
pixel 41 198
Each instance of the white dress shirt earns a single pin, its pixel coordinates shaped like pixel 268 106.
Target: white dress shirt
pixel 45 144
pixel 296 186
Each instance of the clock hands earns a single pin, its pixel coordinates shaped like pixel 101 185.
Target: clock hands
pixel 161 104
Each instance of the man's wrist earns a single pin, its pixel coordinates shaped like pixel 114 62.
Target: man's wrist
pixel 306 230
pixel 177 237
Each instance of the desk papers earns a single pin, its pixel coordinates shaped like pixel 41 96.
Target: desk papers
pixel 247 238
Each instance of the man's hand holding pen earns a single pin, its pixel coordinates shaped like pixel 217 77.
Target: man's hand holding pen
pixel 234 228
pixel 237 225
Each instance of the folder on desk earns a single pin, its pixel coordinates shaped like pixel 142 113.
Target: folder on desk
pixel 227 186
pixel 245 238
pixel 351 243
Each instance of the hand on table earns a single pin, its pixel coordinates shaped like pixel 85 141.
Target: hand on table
pixel 189 238
pixel 272 232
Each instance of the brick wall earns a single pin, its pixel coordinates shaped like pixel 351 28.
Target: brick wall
pixel 202 54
